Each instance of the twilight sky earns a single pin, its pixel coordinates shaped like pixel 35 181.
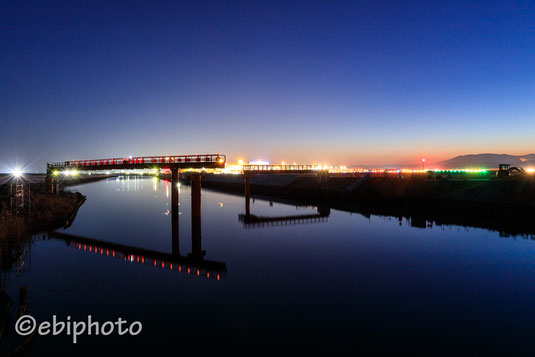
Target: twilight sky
pixel 344 82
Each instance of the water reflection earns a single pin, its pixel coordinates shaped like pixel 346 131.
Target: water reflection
pixel 15 258
pixel 194 263
pixel 253 221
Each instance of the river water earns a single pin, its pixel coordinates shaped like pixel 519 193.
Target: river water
pixel 339 283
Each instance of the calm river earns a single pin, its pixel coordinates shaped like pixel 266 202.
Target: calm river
pixel 339 283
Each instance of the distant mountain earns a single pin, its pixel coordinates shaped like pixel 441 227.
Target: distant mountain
pixel 486 161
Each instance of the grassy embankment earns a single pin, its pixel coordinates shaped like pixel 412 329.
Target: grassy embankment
pixel 42 211
pixel 503 204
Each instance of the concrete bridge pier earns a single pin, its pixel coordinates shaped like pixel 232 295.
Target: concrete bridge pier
pixel 174 190
pixel 196 238
pixel 174 212
pixel 247 195
pixel 174 232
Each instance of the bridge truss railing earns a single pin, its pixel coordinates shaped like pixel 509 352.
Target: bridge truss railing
pixel 171 159
pixel 281 167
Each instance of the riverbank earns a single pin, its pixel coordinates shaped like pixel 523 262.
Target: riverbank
pixel 37 209
pixel 506 205
pixel 42 211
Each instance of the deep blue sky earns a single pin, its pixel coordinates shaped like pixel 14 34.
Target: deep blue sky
pixel 344 82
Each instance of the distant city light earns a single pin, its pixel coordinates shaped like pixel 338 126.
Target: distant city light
pixel 259 162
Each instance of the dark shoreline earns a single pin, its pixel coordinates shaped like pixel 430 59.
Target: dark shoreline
pixel 503 205
pixel 43 210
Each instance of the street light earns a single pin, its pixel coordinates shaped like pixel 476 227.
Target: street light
pixel 423 164
pixel 17 172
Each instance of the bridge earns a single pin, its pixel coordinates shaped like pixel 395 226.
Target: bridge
pixel 171 162
pixel 281 169
pixel 174 163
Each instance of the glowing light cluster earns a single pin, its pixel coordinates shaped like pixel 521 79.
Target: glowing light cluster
pixel 133 258
pixel 70 172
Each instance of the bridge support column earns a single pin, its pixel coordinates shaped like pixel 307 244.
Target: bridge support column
pixel 174 212
pixel 175 233
pixel 174 190
pixel 247 195
pixel 196 239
